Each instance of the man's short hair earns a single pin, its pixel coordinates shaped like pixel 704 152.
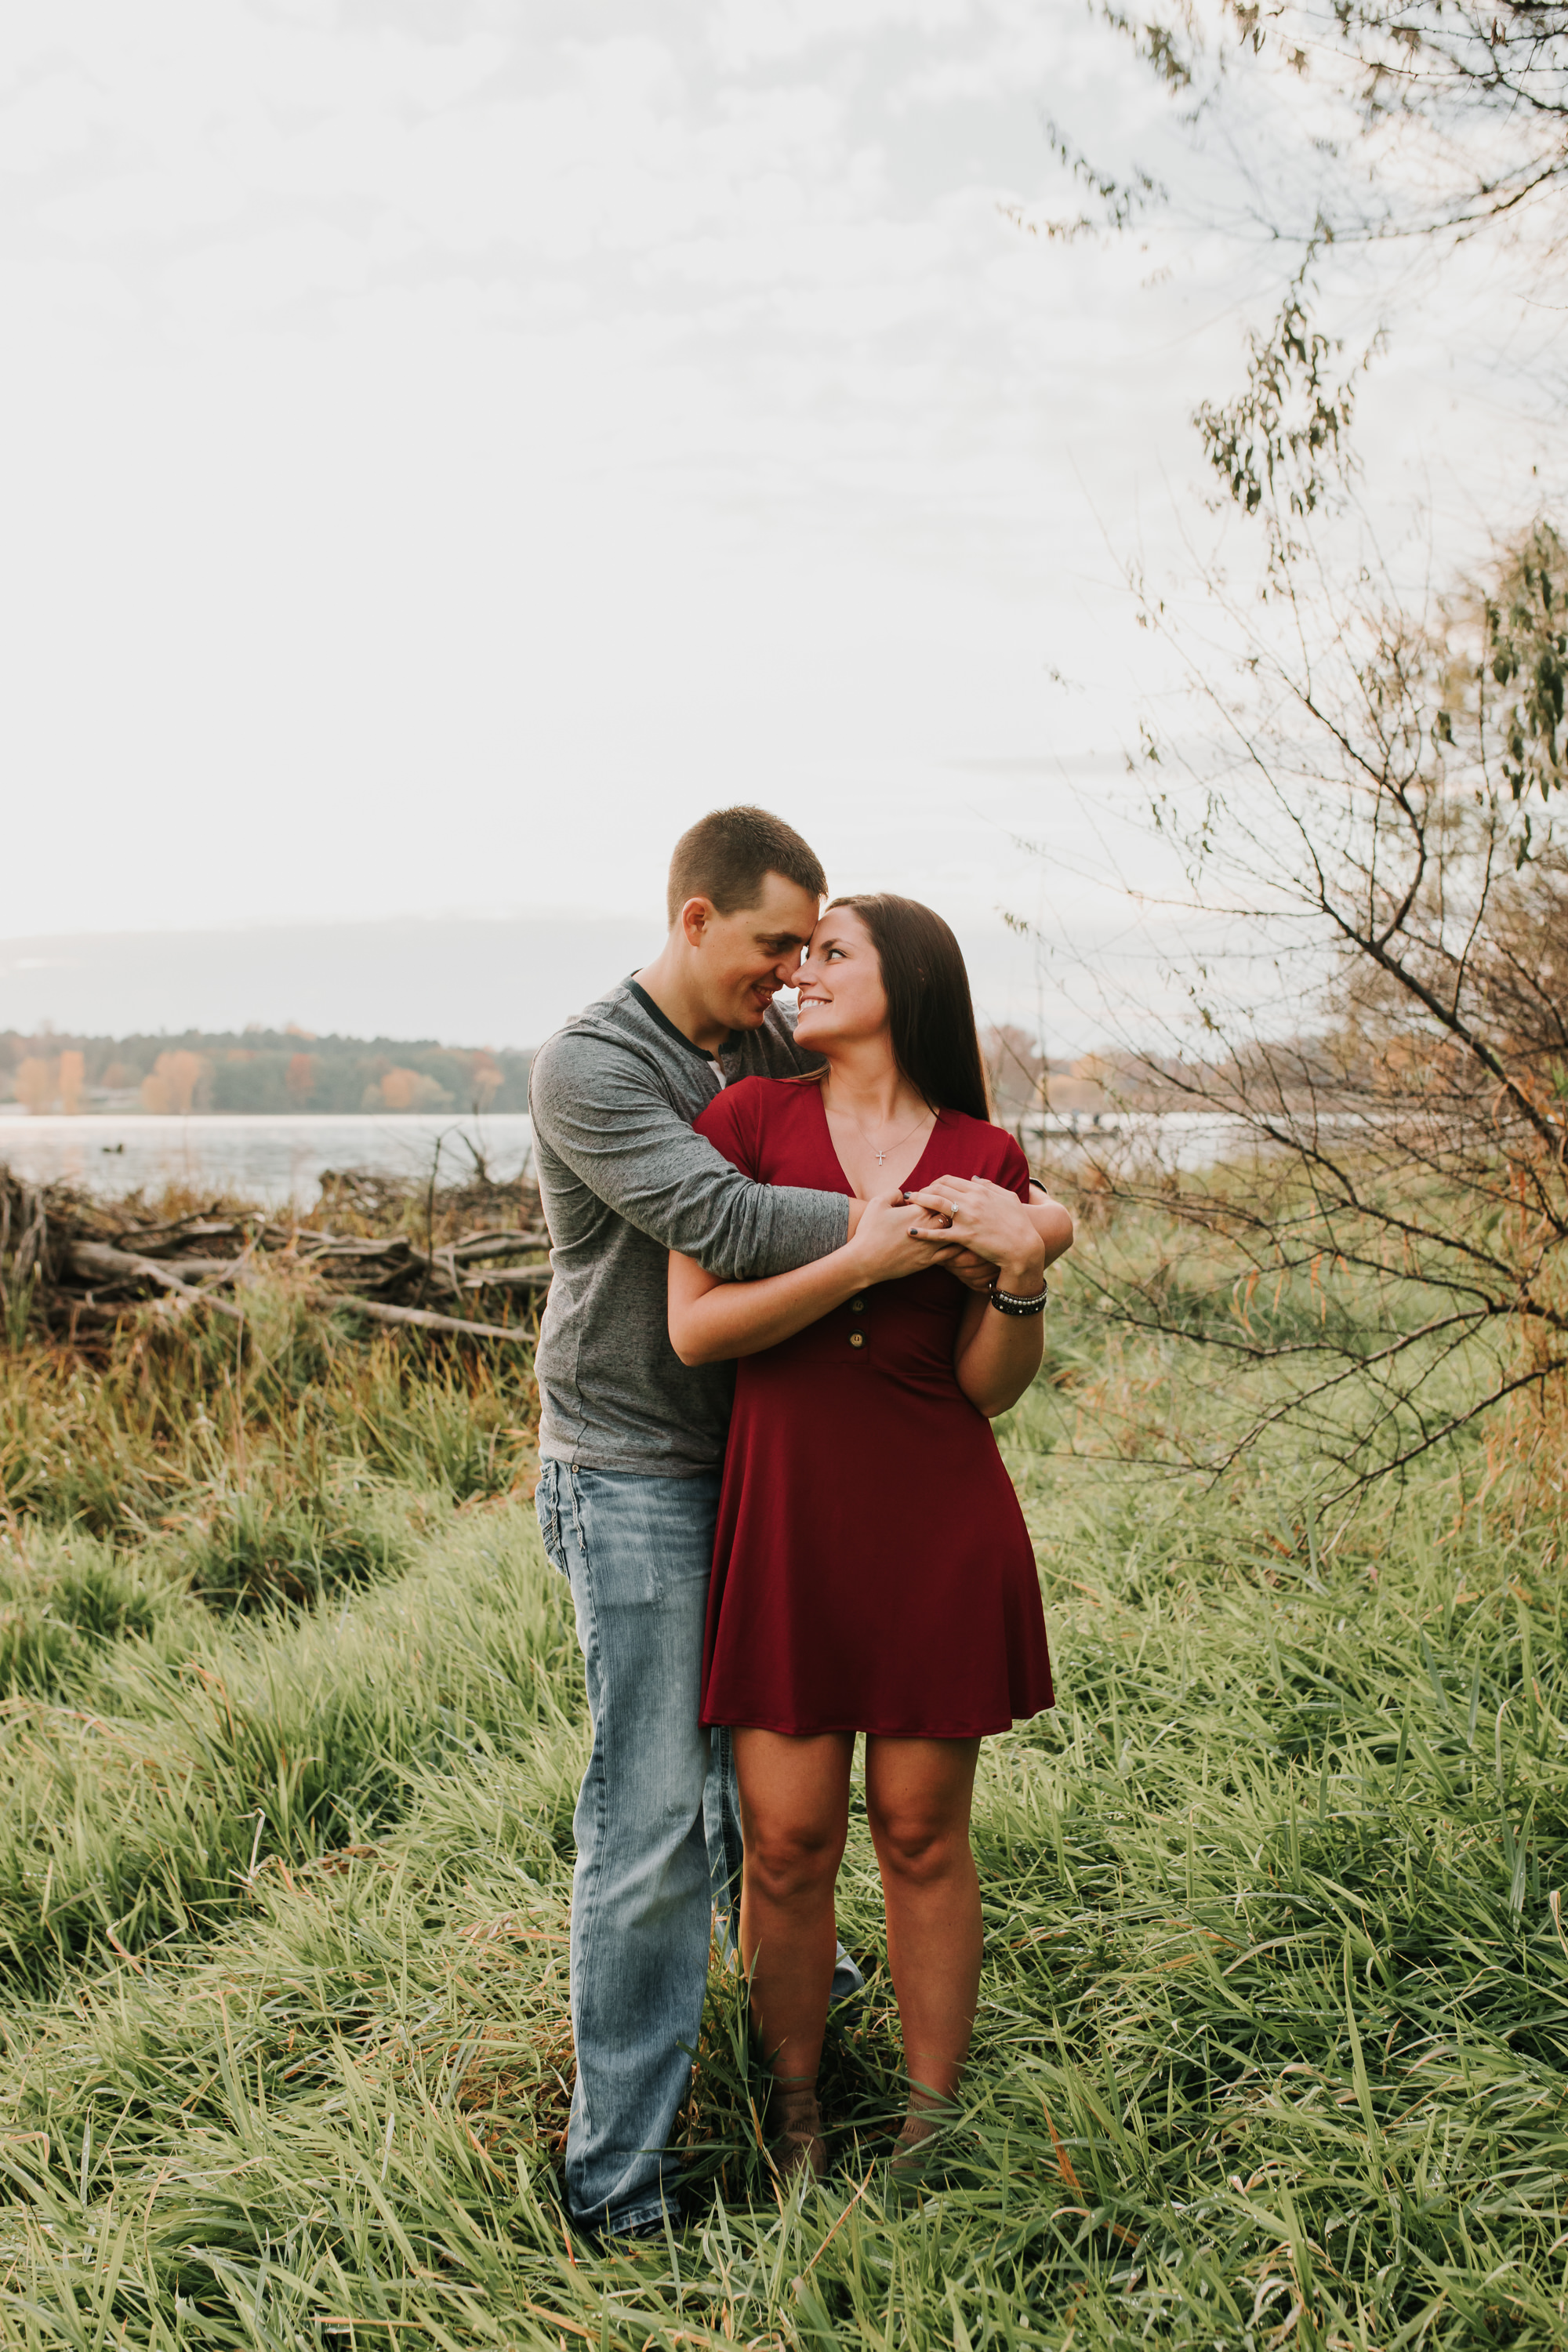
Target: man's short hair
pixel 727 855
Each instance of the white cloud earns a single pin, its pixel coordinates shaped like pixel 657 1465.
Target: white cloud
pixel 247 278
pixel 753 32
pixel 55 117
pixel 465 442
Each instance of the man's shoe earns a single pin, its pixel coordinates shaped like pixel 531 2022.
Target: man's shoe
pixel 848 1984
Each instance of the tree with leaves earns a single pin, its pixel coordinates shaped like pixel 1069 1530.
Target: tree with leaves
pixel 1377 813
pixel 1369 795
pixel 1436 125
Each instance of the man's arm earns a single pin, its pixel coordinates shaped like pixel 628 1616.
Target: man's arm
pixel 714 1322
pixel 600 1108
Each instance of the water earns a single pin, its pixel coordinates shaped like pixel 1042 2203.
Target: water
pixel 1132 1138
pixel 278 1159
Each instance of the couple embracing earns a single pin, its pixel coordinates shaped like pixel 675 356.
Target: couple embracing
pixel 796 1272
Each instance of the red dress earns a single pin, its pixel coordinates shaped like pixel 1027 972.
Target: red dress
pixel 872 1571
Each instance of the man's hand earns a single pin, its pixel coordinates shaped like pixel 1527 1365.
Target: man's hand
pixel 886 1245
pixel 974 1272
pixel 978 1216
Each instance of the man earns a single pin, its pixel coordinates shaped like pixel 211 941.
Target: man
pixel 632 1443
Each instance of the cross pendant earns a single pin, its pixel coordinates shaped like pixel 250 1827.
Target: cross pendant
pixel 880 1157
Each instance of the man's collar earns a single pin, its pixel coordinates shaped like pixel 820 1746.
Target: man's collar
pixel 657 1013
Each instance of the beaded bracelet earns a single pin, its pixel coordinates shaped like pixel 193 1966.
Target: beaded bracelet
pixel 1008 1302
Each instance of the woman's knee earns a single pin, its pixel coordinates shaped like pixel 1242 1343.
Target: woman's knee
pixel 791 1858
pixel 920 1847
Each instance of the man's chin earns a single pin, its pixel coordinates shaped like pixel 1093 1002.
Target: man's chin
pixel 749 1014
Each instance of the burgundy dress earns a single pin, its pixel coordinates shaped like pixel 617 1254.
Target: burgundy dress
pixel 872 1571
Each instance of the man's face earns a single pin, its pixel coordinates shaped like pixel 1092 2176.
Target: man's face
pixel 746 958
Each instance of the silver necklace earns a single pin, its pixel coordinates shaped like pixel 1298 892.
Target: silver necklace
pixel 880 1156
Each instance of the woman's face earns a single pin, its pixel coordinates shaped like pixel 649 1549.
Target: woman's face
pixel 842 999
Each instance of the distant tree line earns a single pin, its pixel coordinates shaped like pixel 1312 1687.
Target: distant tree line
pixel 257 1070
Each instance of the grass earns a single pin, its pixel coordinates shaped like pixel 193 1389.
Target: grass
pixel 1274 2024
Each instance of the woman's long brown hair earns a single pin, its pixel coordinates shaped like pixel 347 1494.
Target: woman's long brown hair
pixel 931 1014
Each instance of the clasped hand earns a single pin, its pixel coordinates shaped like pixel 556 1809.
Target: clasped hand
pixel 887 1245
pixel 983 1230
pixel 985 1224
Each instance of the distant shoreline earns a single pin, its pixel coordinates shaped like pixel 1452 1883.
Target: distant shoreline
pixel 18 1113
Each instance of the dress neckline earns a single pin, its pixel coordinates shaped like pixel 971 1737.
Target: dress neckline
pixel 908 1183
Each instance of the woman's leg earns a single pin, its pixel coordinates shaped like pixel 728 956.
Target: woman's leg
pixel 918 1795
pixel 794 1813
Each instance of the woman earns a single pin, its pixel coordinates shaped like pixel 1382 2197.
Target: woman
pixel 872 1571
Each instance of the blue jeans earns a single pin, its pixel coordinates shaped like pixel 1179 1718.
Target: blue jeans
pixel 656 1800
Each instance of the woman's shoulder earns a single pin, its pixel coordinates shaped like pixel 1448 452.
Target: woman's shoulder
pixel 761 1089
pixel 994 1152
pixel 749 1109
pixel 758 1098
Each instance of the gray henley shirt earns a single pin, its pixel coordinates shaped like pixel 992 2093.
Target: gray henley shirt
pixel 624 1181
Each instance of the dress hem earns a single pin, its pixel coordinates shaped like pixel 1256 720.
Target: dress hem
pixel 880 1730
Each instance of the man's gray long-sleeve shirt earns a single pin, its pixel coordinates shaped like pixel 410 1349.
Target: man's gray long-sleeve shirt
pixel 624 1180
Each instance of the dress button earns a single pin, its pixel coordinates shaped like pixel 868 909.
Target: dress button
pixel 856 1306
pixel 856 1339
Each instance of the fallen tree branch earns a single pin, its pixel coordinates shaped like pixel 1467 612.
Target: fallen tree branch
pixel 477 1245
pixel 420 1316
pixel 188 1229
pixel 327 1246
pixel 75 1262
pixel 97 1259
pixel 90 1258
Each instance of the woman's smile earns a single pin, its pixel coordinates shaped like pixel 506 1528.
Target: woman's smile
pixel 841 946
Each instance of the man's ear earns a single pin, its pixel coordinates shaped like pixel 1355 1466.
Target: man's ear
pixel 693 920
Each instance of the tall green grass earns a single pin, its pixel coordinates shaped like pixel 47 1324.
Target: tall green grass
pixel 1274 2025
pixel 182 1413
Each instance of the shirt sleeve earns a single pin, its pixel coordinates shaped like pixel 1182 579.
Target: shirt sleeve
pixel 601 1110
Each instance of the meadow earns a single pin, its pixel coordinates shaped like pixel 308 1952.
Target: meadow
pixel 1275 2014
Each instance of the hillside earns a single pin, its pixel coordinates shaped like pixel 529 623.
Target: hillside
pixel 257 1070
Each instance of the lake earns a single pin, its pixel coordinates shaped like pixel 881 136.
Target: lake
pixel 280 1158
pixel 276 1160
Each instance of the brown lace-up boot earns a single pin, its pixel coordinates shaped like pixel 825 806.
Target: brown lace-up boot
pixel 799 2146
pixel 918 2148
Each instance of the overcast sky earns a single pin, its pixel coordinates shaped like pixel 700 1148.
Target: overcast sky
pixel 445 445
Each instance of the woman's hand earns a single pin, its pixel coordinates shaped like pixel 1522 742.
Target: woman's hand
pixel 885 1245
pixel 997 1355
pixel 992 1223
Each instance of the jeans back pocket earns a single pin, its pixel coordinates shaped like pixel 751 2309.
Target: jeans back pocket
pixel 547 1508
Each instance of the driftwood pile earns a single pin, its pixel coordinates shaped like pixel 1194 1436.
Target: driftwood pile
pixel 80 1264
